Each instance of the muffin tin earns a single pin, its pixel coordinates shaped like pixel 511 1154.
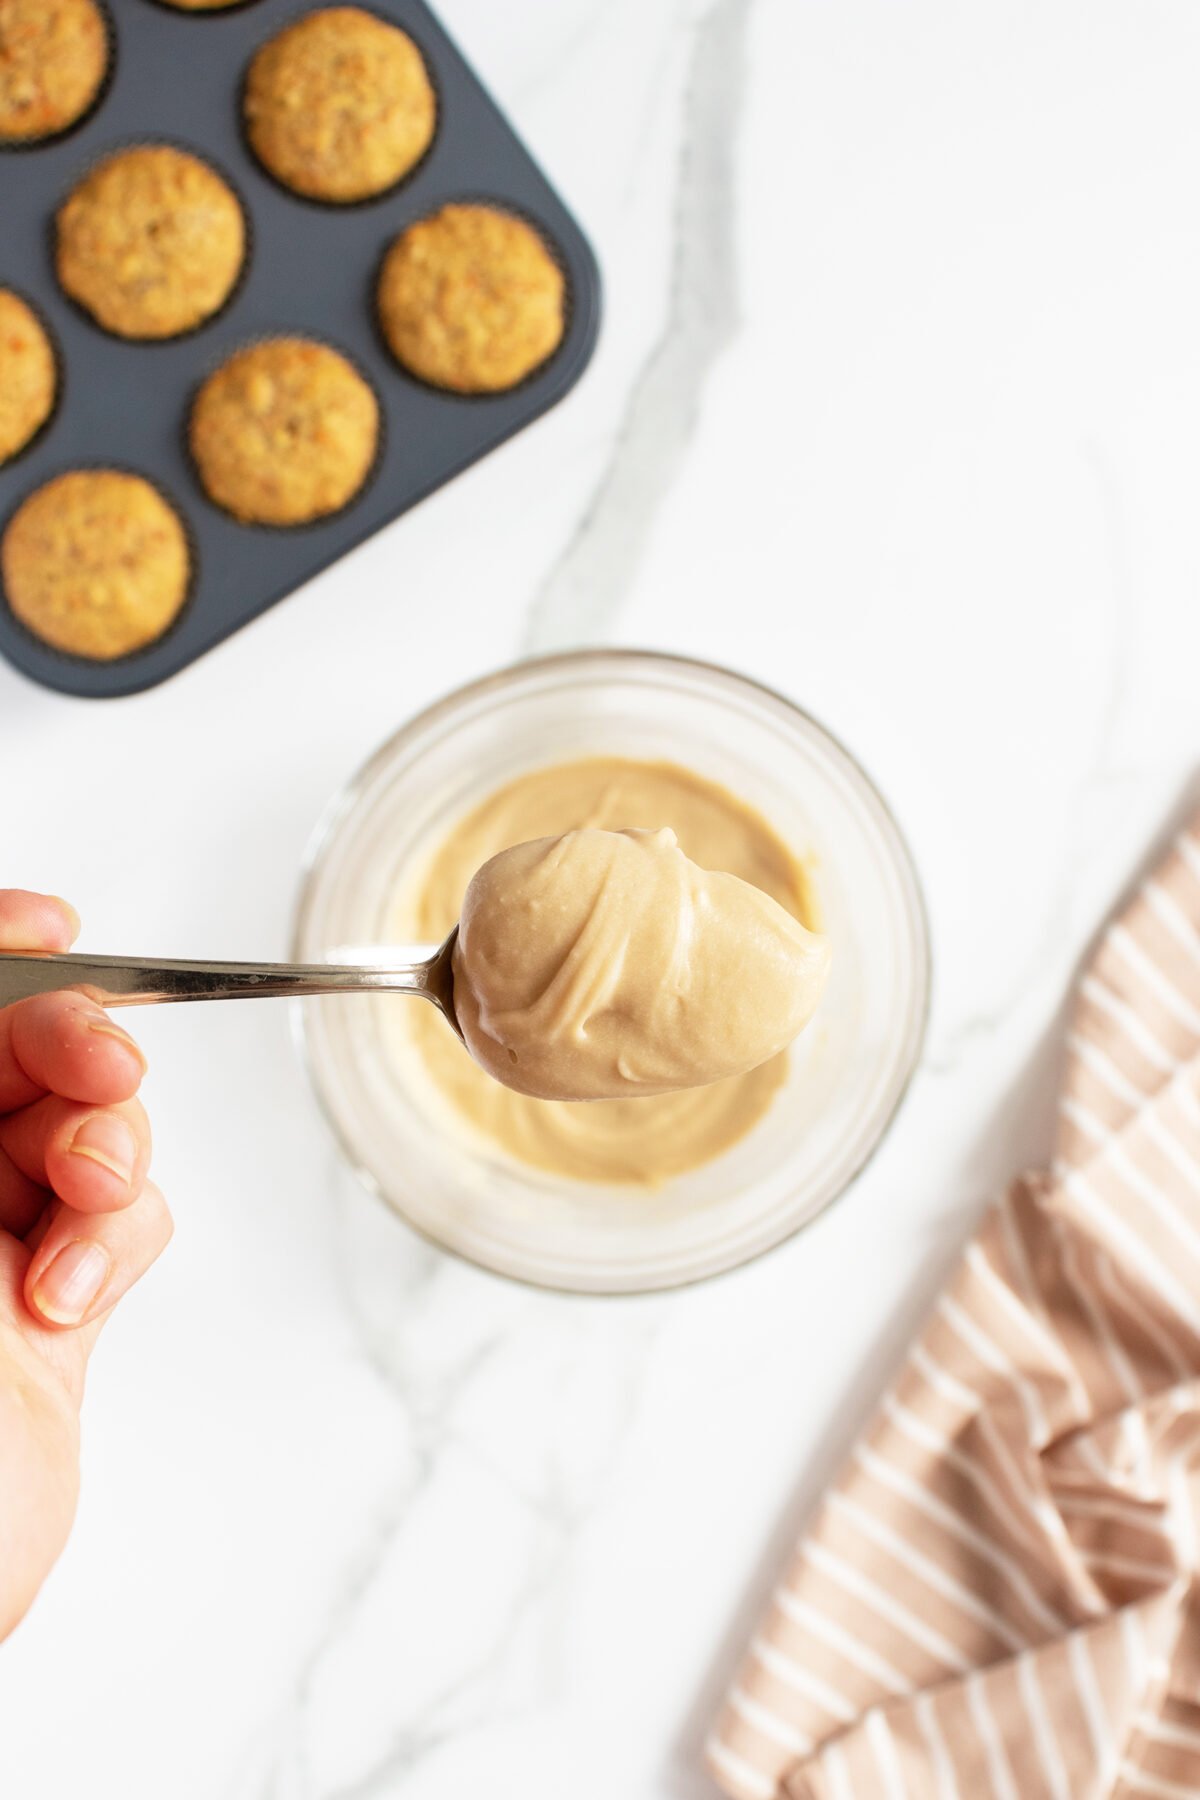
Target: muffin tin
pixel 311 269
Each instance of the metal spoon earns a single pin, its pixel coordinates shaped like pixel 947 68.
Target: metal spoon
pixel 141 981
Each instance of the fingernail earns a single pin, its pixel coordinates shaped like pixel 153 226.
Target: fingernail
pixel 106 1138
pixel 104 1027
pixel 68 1285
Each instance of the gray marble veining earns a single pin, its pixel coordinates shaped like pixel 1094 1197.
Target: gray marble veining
pixel 583 592
pixel 443 1337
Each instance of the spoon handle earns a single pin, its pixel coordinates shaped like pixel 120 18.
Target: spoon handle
pixel 138 981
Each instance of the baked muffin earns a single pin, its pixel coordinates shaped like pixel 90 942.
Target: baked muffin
pixel 28 377
pixel 284 432
pixel 53 54
pixel 151 242
pixel 95 563
pixel 339 106
pixel 471 299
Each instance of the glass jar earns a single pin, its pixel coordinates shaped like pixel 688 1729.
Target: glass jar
pixel 847 1073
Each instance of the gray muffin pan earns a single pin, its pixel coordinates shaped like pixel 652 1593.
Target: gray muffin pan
pixel 176 77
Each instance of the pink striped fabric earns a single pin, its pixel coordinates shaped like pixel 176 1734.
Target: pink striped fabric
pixel 999 1598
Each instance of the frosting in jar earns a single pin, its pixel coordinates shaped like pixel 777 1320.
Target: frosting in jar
pixel 601 964
pixel 629 1141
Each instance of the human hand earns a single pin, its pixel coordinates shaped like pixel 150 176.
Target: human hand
pixel 79 1223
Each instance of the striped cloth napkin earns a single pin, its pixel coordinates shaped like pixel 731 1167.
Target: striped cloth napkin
pixel 998 1600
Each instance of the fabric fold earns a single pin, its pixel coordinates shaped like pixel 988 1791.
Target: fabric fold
pixel 998 1596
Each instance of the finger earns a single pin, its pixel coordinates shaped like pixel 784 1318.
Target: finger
pixel 21 1200
pixel 36 921
pixel 95 1158
pixel 65 1044
pixel 85 1262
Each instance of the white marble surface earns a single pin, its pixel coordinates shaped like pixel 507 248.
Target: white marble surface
pixel 897 406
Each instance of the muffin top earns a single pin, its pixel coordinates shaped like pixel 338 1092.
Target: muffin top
pixel 339 106
pixel 95 563
pixel 283 432
pixel 28 377
pixel 53 54
pixel 471 299
pixel 151 242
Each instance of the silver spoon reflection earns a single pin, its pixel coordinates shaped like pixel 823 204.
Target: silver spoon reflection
pixel 143 981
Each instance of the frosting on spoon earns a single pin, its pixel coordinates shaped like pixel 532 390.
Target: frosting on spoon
pixel 604 964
